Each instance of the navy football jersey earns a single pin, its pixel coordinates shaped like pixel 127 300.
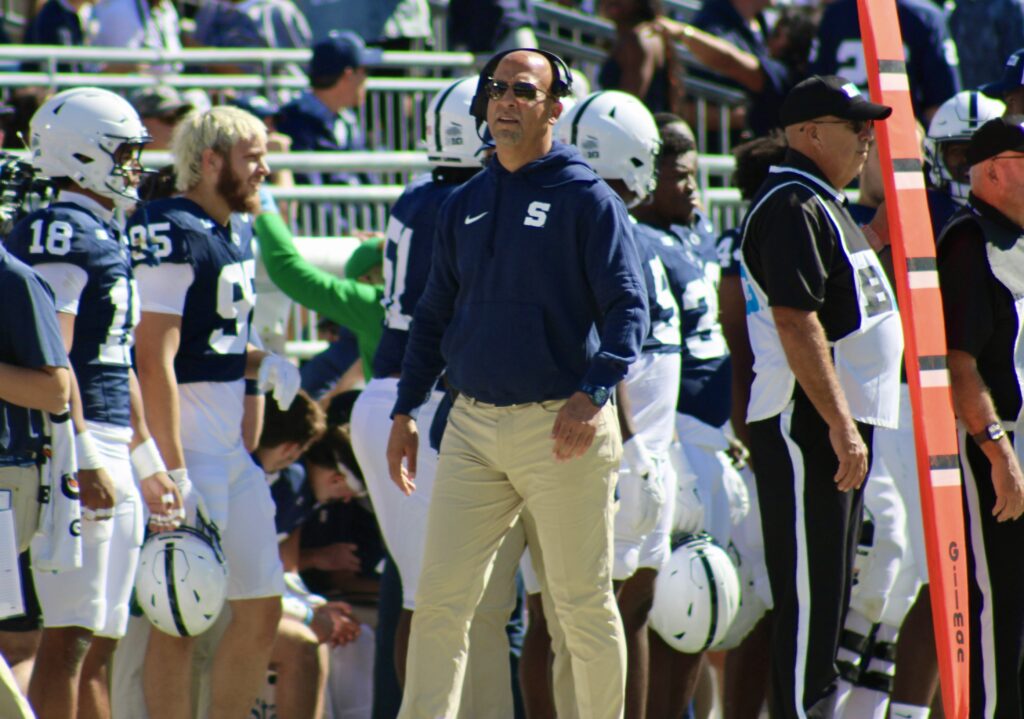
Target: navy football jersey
pixel 729 254
pixel 219 302
pixel 689 254
pixel 108 309
pixel 932 64
pixel 665 333
pixel 410 243
pixel 29 337
pixel 293 499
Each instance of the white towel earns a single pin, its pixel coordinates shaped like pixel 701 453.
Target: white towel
pixel 57 545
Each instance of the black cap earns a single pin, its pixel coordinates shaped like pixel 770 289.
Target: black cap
pixel 1000 134
pixel 1013 77
pixel 821 95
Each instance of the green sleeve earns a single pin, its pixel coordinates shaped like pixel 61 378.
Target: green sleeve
pixel 352 304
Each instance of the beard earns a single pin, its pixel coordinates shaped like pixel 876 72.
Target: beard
pixel 236 192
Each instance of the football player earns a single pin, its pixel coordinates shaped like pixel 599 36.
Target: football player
pixel 195 267
pixel 686 242
pixel 931 57
pixel 88 140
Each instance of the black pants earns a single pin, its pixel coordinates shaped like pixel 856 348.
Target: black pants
pixel 995 565
pixel 810 539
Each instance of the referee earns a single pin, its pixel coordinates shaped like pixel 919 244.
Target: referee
pixel 536 304
pixel 827 346
pixel 981 274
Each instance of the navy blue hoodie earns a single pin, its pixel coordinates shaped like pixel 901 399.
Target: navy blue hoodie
pixel 535 287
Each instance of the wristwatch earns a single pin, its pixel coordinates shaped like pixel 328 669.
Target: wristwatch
pixel 992 433
pixel 597 394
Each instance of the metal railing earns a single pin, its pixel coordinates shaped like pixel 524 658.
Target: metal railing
pixel 319 210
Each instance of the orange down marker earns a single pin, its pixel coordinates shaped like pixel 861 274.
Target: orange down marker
pixel 917 286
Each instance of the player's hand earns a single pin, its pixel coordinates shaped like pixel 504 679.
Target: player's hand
pixel 689 511
pixel 281 377
pixel 1009 485
pixel 196 513
pixel 642 493
pixel 333 625
pixel 852 453
pixel 738 453
pixel 403 446
pixel 166 507
pixel 575 427
pixel 96 493
pixel 337 557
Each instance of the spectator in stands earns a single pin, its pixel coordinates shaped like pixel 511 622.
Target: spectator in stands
pixel 642 61
pixel 252 23
pixel 984 32
pixel 149 24
pixel 765 67
pixel 324 118
pixel 489 26
pixel 60 22
pixel 1010 87
pixel 391 24
pixel 932 64
pixel 161 107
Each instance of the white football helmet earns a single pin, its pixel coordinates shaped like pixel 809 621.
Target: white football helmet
pixel 77 134
pixel 617 136
pixel 451 135
pixel 696 596
pixel 954 123
pixel 751 572
pixel 181 581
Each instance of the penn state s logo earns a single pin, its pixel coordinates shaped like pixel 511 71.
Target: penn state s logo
pixel 69 486
pixel 537 214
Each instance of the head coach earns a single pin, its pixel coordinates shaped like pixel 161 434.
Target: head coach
pixel 827 347
pixel 535 307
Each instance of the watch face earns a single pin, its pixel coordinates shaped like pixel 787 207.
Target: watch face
pixel 600 395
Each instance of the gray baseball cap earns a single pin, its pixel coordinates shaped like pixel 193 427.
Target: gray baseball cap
pixel 158 101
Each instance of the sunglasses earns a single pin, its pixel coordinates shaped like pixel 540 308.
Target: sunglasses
pixel 858 126
pixel 496 89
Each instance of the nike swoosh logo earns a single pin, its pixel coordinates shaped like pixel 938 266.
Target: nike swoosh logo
pixel 474 218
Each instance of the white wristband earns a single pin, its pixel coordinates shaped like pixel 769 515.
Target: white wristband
pixel 87 456
pixel 146 459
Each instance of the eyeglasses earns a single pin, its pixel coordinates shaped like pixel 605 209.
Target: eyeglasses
pixel 496 90
pixel 858 126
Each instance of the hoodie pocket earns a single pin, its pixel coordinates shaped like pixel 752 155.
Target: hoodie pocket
pixel 499 351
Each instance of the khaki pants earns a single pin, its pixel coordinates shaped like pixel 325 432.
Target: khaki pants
pixel 24 485
pixel 495 462
pixel 23 482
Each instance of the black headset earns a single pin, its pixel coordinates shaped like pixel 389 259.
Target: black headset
pixel 561 85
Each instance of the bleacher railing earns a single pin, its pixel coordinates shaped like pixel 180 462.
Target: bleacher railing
pixel 338 209
pixel 393 115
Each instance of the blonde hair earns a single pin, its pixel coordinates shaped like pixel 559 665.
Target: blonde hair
pixel 218 129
